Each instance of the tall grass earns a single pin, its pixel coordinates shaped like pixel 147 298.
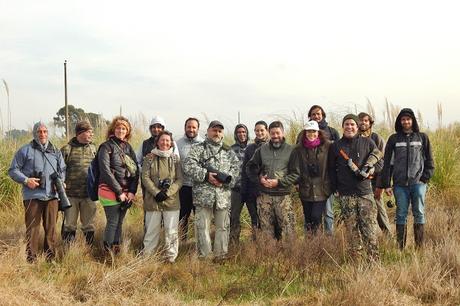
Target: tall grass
pixel 305 271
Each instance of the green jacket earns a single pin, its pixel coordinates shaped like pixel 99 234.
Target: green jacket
pixel 154 169
pixel 273 162
pixel 313 187
pixel 77 157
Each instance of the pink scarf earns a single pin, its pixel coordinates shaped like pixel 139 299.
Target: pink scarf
pixel 311 144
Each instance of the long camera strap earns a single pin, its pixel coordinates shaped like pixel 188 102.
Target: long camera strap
pixel 212 156
pixel 58 172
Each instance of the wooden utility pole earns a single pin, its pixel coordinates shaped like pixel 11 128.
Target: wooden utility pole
pixel 67 127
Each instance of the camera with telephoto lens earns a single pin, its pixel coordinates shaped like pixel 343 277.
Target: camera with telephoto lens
pixel 313 169
pixel 64 202
pixel 222 177
pixel 164 184
pixel 39 175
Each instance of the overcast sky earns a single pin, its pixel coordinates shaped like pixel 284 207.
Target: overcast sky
pixel 189 58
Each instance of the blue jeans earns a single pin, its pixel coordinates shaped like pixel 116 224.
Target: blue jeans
pixel 113 228
pixel 329 215
pixel 413 194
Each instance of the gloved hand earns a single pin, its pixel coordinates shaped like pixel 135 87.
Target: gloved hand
pixel 366 171
pixel 353 167
pixel 161 196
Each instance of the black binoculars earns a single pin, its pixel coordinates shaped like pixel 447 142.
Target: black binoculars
pixel 39 175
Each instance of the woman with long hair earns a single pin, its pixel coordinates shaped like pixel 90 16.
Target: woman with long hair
pixel 310 159
pixel 118 179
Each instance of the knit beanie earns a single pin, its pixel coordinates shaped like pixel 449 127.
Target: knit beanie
pixel 82 126
pixel 352 117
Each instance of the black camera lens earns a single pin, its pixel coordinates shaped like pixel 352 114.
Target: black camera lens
pixel 165 184
pixel 313 170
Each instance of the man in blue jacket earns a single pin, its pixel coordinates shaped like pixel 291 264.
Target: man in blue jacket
pixel 409 161
pixel 33 166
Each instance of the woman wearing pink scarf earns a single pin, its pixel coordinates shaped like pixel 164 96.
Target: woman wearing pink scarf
pixel 309 158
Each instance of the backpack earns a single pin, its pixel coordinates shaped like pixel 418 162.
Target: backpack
pixel 92 179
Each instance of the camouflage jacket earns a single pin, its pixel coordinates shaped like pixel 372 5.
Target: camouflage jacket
pixel 202 156
pixel 77 157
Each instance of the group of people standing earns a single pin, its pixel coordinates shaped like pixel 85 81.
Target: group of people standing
pixel 215 181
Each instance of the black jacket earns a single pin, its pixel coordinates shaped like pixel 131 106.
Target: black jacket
pixel 249 189
pixel 361 150
pixel 112 168
pixel 408 156
pixel 239 148
pixel 408 160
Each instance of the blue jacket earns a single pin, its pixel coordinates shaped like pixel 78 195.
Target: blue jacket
pixel 29 159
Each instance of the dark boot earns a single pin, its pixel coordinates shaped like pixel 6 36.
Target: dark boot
pixel 418 235
pixel 116 249
pixel 254 230
pixel 106 247
pixel 89 237
pixel 401 234
pixel 68 237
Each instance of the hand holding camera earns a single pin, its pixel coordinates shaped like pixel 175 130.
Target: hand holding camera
pixel 367 171
pixel 212 178
pixel 161 196
pixel 164 186
pixel 215 176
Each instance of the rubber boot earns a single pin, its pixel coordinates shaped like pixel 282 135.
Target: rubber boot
pixel 418 235
pixel 401 235
pixel 89 237
pixel 68 237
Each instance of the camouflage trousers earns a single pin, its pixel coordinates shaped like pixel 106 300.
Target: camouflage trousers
pixel 203 219
pixel 359 214
pixel 274 210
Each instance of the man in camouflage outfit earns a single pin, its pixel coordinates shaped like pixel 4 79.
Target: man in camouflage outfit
pixel 269 168
pixel 78 154
pixel 352 161
pixel 214 169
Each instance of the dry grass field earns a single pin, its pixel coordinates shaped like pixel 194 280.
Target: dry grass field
pixel 306 271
